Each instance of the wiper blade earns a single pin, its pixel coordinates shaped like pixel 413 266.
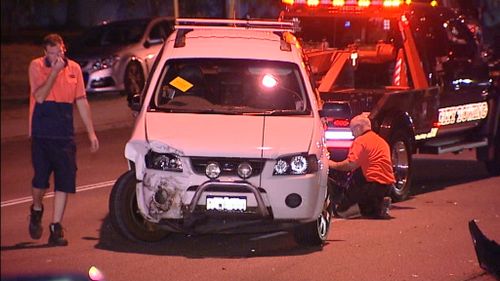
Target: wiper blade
pixel 197 111
pixel 218 111
pixel 285 112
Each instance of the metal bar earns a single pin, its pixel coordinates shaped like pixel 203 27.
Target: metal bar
pixel 457 147
pixel 259 25
pixel 283 24
pixel 414 62
pixel 338 61
pixel 179 27
pixel 258 197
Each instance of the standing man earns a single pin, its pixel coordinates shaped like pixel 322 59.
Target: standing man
pixel 55 84
pixel 370 152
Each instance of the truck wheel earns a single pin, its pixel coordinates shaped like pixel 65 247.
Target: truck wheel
pixel 402 165
pixel 124 212
pixel 493 166
pixel 315 233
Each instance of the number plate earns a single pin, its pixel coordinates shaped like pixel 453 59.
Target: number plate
pixel 226 203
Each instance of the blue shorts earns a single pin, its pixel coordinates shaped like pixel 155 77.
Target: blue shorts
pixel 54 155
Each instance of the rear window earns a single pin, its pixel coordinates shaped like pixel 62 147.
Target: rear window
pixel 339 32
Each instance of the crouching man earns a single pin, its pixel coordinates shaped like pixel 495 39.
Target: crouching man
pixel 370 152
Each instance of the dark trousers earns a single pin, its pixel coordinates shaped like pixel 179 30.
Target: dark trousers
pixel 368 195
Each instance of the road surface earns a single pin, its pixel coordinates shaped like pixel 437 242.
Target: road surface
pixel 427 239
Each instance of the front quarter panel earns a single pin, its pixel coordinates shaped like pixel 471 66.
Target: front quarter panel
pixel 134 152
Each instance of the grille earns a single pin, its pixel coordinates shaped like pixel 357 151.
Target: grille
pixel 229 166
pixel 225 188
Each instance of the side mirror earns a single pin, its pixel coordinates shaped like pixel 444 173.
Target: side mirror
pixel 336 109
pixel 153 41
pixel 135 103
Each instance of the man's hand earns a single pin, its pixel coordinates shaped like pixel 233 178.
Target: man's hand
pixel 58 64
pixel 344 165
pixel 94 142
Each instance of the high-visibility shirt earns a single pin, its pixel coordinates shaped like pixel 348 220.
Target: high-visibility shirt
pixel 372 153
pixel 53 118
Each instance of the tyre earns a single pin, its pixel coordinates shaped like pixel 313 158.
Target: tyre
pixel 315 233
pixel 134 80
pixel 402 165
pixel 124 213
pixel 493 166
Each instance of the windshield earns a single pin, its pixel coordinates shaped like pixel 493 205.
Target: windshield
pixel 339 32
pixel 118 33
pixel 231 86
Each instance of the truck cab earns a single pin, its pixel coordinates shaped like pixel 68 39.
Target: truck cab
pixel 416 69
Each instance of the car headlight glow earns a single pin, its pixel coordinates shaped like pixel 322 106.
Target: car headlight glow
pixel 296 165
pixel 103 63
pixel 163 161
pixel 212 170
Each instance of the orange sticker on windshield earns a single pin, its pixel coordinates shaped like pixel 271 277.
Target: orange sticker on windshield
pixel 181 84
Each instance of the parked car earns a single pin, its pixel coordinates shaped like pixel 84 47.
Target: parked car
pixel 229 138
pixel 117 56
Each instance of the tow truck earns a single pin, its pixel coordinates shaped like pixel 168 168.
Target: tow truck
pixel 413 68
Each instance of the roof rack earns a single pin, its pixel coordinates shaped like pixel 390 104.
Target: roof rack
pixel 196 23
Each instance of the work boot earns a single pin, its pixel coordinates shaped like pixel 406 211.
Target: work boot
pixel 35 227
pixel 386 205
pixel 57 235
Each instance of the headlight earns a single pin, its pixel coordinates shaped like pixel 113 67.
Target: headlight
pixel 212 170
pixel 103 63
pixel 296 165
pixel 163 161
pixel 281 167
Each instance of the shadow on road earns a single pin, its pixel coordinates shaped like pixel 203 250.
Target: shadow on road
pixel 207 245
pixel 437 174
pixel 25 245
pixel 430 175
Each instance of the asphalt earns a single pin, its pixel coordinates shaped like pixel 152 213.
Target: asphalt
pixel 108 111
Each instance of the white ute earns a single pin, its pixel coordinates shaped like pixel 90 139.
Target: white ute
pixel 228 138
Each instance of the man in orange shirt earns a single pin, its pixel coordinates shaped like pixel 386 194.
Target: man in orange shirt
pixel 370 152
pixel 56 83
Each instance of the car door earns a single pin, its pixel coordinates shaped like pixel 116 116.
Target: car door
pixel 464 77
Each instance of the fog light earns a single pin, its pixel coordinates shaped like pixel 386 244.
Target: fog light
pixel 245 170
pixel 212 170
pixel 293 200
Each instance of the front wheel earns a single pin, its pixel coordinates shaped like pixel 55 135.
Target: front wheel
pixel 124 212
pixel 402 165
pixel 315 233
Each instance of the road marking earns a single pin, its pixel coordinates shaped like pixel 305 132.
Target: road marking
pixel 51 194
